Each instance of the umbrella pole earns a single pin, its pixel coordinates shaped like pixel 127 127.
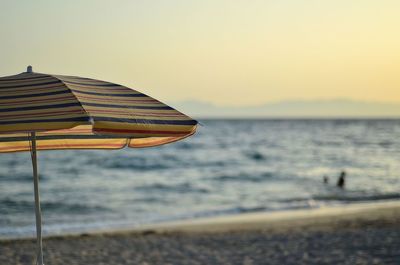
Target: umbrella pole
pixel 39 254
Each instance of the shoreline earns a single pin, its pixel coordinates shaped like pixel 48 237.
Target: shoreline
pixel 264 220
pixel 275 220
pixel 366 233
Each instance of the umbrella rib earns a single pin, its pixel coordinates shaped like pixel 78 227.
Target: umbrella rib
pixel 76 98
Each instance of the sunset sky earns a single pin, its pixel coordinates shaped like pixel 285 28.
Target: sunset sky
pixel 224 52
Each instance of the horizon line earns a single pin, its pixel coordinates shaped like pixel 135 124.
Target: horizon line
pixel 285 101
pixel 299 117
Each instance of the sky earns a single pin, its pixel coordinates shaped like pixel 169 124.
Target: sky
pixel 228 53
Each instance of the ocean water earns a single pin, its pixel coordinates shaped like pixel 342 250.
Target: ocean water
pixel 230 166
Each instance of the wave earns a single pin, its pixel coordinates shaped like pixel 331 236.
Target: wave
pixel 10 205
pixel 355 198
pixel 21 177
pixel 181 188
pixel 255 155
pixel 134 163
pixel 248 209
pixel 245 177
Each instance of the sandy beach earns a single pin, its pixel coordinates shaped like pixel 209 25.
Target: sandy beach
pixel 353 234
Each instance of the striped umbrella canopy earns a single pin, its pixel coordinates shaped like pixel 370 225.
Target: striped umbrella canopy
pixel 48 112
pixel 70 112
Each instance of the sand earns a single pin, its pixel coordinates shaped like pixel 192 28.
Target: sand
pixel 354 234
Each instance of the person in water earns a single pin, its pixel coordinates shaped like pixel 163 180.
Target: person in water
pixel 326 179
pixel 342 180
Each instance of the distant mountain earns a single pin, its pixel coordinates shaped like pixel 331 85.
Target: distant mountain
pixel 337 108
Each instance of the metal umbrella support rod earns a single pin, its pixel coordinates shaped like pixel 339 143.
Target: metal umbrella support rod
pixel 38 213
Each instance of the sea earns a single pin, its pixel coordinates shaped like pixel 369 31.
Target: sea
pixel 229 167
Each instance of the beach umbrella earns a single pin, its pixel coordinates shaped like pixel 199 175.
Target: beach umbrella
pixel 49 112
